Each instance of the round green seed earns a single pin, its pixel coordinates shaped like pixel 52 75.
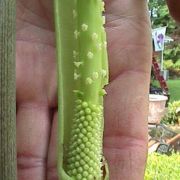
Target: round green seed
pixel 82 146
pixel 78 101
pixel 86 150
pixel 74 136
pixel 80 170
pixel 90 176
pixel 90 170
pixel 76 121
pixel 89 129
pixel 91 154
pixel 85 139
pixel 88 111
pixel 93 107
pixel 73 152
pixel 85 123
pixel 82 154
pixel 84 104
pixel 82 118
pixel 71 167
pixel 85 173
pixel 81 112
pixel 69 172
pixel 78 150
pixel 89 118
pixel 84 131
pixel 78 108
pixel 79 141
pixel 86 158
pixel 82 162
pixel 88 144
pixel 81 135
pixel 91 123
pixel 86 167
pixel 77 164
pixel 94 114
pixel 95 119
pixel 89 135
pixel 79 176
pixel 76 115
pixel 80 126
pixel 77 131
pixel 74 171
pixel 77 157
pixel 97 110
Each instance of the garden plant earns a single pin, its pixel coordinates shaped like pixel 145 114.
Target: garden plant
pixel 163 167
pixel 172 116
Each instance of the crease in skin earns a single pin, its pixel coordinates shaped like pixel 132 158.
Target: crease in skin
pixel 23 13
pixel 33 105
pixel 124 142
pixel 27 161
pixel 125 71
pixel 26 21
pixel 35 42
pixel 112 17
pixel 115 23
pixel 47 40
pixel 21 2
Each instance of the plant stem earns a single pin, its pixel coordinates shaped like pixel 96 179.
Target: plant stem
pixel 83 73
pixel 7 91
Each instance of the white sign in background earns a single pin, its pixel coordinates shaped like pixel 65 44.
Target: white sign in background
pixel 158 36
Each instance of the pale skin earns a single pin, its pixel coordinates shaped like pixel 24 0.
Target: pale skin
pixel 126 105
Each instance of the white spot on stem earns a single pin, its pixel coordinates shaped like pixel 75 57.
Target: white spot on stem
pixel 77 64
pixel 102 92
pixel 75 54
pixel 84 27
pixel 76 34
pixel 105 44
pixel 99 46
pixel 95 75
pixel 103 5
pixel 94 36
pixel 89 80
pixel 90 55
pixel 103 19
pixel 74 13
pixel 76 76
pixel 103 73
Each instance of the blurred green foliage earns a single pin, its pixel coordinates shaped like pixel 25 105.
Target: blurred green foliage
pixel 163 167
pixel 174 68
pixel 160 17
pixel 172 114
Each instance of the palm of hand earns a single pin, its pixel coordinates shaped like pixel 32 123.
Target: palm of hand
pixel 129 54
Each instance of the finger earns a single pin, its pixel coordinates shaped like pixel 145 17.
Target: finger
pixel 125 138
pixel 52 151
pixel 126 105
pixel 174 9
pixel 33 126
pixel 128 33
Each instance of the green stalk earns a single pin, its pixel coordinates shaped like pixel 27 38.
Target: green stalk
pixel 82 73
pixel 7 91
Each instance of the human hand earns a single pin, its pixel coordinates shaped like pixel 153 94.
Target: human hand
pixel 126 105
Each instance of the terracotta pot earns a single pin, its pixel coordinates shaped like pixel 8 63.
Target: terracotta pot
pixel 156 108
